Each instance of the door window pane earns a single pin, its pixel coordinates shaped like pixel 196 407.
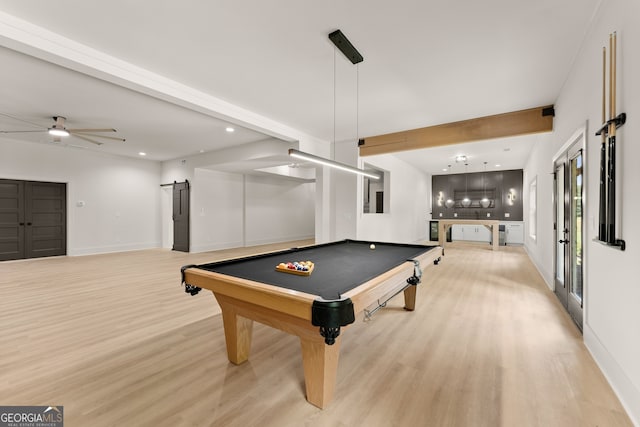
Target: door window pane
pixel 576 226
pixel 560 224
pixel 533 208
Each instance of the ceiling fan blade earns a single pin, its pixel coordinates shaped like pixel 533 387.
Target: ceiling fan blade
pixel 92 130
pixel 87 139
pixel 21 120
pixel 97 136
pixel 21 131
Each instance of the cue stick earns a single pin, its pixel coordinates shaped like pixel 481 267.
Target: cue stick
pixel 611 190
pixel 602 214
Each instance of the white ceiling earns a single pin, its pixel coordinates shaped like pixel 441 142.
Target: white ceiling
pixel 426 62
pixel 499 154
pixel 34 90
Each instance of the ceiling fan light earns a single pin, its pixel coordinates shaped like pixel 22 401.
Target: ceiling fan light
pixel 58 132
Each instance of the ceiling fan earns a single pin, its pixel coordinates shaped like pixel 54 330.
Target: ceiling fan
pixel 59 131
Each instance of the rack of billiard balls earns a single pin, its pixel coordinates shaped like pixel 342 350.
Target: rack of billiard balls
pixel 303 268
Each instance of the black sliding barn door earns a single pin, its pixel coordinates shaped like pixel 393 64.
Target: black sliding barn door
pixel 181 216
pixel 33 219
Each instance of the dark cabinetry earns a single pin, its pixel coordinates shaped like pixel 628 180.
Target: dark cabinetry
pixel 483 195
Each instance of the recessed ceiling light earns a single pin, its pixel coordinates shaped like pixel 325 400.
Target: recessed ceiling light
pixel 142 153
pixel 444 169
pixel 230 129
pixel 498 166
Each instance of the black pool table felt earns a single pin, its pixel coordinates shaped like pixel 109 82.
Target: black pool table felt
pixel 338 266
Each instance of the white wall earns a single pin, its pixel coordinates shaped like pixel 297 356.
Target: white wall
pixel 262 209
pixel 166 221
pixel 540 167
pixel 410 204
pixel 121 196
pixel 612 288
pixel 125 208
pixel 344 194
pixel 410 200
pixel 278 210
pixel 234 210
pixel 217 210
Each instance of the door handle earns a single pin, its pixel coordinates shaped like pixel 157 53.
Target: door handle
pixel 563 241
pixel 28 223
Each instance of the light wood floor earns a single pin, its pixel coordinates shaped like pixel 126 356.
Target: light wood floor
pixel 115 340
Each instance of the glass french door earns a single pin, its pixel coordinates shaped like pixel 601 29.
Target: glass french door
pixel 568 269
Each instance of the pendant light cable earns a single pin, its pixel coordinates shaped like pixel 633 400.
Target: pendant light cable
pixel 466 202
pixel 357 100
pixel 485 202
pixel 333 154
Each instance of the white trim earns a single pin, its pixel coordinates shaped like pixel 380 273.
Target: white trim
pixel 258 242
pixel 113 248
pixel 627 392
pixel 578 137
pixel 550 285
pixel 216 246
pixel 581 132
pixel 533 215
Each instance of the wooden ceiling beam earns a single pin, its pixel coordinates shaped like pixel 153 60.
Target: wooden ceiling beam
pixel 524 122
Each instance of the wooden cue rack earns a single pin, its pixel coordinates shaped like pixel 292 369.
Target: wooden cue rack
pixel 607 133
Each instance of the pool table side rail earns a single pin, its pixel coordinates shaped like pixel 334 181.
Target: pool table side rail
pixel 234 260
pixel 295 303
pixel 389 282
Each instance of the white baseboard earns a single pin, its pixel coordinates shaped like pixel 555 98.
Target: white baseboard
pixel 257 242
pixel 622 386
pixel 548 279
pixel 113 248
pixel 215 247
pixel 239 244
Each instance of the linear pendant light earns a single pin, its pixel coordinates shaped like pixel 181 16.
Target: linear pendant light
pixel 352 54
pixel 330 163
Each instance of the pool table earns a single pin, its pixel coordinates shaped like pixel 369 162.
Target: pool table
pixel 349 276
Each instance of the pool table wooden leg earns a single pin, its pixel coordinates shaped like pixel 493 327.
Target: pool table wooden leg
pixel 237 334
pixel 320 363
pixel 410 298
